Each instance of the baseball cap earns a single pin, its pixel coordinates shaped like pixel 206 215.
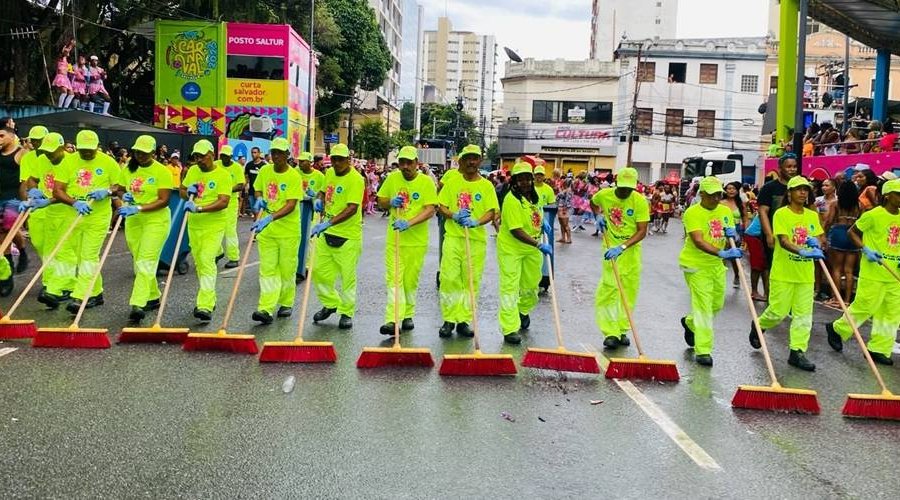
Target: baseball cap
pixel 798 181
pixel 226 150
pixel 340 150
pixel 891 186
pixel 627 178
pixel 52 142
pixel 280 144
pixel 859 167
pixel 144 144
pixel 202 147
pixel 888 176
pixel 95 58
pixel 408 153
pixel 87 139
pixel 471 149
pixel 521 168
pixel 711 185
pixel 305 156
pixel 38 132
pixel 540 170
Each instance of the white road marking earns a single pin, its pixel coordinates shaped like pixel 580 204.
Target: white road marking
pixel 8 350
pixel 229 272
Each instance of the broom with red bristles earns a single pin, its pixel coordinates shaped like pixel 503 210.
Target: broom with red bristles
pixel 222 340
pixel 73 336
pixel 640 367
pixel 376 357
pixel 10 235
pixel 559 359
pixel 884 406
pixel 157 333
pixel 773 397
pixel 25 328
pixel 478 363
pixel 299 350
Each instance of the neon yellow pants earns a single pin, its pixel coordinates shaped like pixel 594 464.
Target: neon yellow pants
pixel 609 313
pixel 206 244
pixel 879 301
pixel 232 243
pixel 80 258
pixel 333 265
pixel 5 269
pixel 59 276
pixel 707 287
pixel 520 275
pixel 793 298
pixel 411 260
pixel 45 226
pixel 454 290
pixel 277 270
pixel 146 235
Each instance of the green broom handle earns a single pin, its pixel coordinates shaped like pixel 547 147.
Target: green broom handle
pixel 759 331
pixel 625 306
pixel 11 234
pixel 397 215
pixel 862 343
pixel 559 338
pixel 96 275
pixel 237 281
pixel 472 291
pixel 172 265
pixel 311 258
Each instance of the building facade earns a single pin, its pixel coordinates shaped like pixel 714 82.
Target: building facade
pixel 563 111
pixel 613 20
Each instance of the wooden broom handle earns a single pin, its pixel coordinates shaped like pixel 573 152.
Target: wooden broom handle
pixel 886 268
pixel 306 286
pixel 237 280
pixel 173 264
pixel 625 306
pixel 471 290
pixel 862 343
pixel 559 338
pixel 96 276
pixel 752 308
pixel 397 278
pixel 11 234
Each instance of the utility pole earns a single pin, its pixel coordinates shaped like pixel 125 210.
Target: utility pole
pixel 637 89
pixel 350 120
pixel 801 79
pixel 420 81
pixel 459 110
pixel 310 140
pixel 846 125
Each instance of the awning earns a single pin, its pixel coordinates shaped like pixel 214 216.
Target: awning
pixel 875 23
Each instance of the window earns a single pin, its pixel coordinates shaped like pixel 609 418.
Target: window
pixel 706 123
pixel 709 74
pixel 674 121
pixel 872 92
pixel 646 71
pixel 773 84
pixel 255 68
pixel 677 72
pixel 644 121
pixel 750 83
pixel 571 112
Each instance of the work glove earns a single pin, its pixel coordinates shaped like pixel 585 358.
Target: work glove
pixel 613 252
pixel 36 194
pixel 82 207
pixel 546 227
pixel 469 222
pixel 463 213
pixel 259 204
pixel 129 210
pixel 812 253
pixel 600 224
pixel 24 205
pixel 872 255
pixel 813 242
pixel 730 232
pixel 320 228
pixel 545 248
pixel 310 194
pixel 261 224
pixel 99 194
pixel 190 206
pixel 318 206
pixel 400 225
pixel 128 197
pixel 192 190
pixel 397 201
pixel 731 254
pixel 37 203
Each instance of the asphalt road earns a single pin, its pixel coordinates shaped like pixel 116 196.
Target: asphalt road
pixel 152 421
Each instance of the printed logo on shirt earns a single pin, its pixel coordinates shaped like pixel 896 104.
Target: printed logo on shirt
pixel 151 180
pixel 49 182
pixel 212 184
pixel 615 216
pixel 271 191
pixel 405 195
pixel 716 229
pixel 893 238
pixel 464 199
pixel 84 177
pixel 536 220
pixel 339 190
pixel 282 186
pixel 305 185
pixel 629 212
pixel 99 171
pixel 329 195
pixel 415 196
pixel 800 235
pixel 477 196
pixel 137 185
pixel 201 188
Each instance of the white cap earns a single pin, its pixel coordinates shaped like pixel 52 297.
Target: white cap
pixel 861 166
pixel 95 58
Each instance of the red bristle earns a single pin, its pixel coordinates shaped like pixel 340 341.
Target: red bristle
pixel 561 362
pixel 17 331
pixel 71 339
pixel 380 359
pixel 126 337
pixel 298 354
pixel 873 408
pixel 478 367
pixel 642 371
pixel 776 401
pixel 224 344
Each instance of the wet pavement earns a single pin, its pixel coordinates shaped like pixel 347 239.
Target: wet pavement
pixel 152 421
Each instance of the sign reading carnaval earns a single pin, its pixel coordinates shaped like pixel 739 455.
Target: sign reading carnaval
pixel 192 55
pixel 190 66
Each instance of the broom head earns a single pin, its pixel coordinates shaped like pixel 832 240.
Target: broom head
pixel 71 338
pixel 221 341
pixel 17 329
pixel 376 357
pixel 884 406
pixel 776 398
pixel 561 360
pixel 642 368
pixel 298 351
pixel 477 365
pixel 154 334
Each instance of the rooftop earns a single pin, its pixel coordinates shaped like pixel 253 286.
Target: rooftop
pixel 560 68
pixel 720 48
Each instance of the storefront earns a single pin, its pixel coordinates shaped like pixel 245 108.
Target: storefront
pixel 565 148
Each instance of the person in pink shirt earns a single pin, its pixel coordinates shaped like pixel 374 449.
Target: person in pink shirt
pixel 96 90
pixel 61 81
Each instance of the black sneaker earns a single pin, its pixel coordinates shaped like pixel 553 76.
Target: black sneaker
pixel 345 323
pixel 300 278
pixel 203 315
pixel 6 286
pixel 704 359
pixel 688 333
pixel 262 316
pixel 387 328
pixel 152 305
pixel 881 359
pixel 231 264
pixel 74 306
pixel 754 337
pixel 407 324
pixel 797 359
pixel 284 312
pixel 137 314
pixel 220 257
pixel 834 340
pixel 48 299
pixel 512 338
pixel 323 314
pixel 464 330
pixel 611 342
pixel 22 265
pixel 623 341
pixel 524 321
pixel 446 330
pixel 96 300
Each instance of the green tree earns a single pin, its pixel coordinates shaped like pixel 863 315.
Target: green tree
pixel 400 138
pixel 493 153
pixel 440 120
pixel 408 116
pixel 371 140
